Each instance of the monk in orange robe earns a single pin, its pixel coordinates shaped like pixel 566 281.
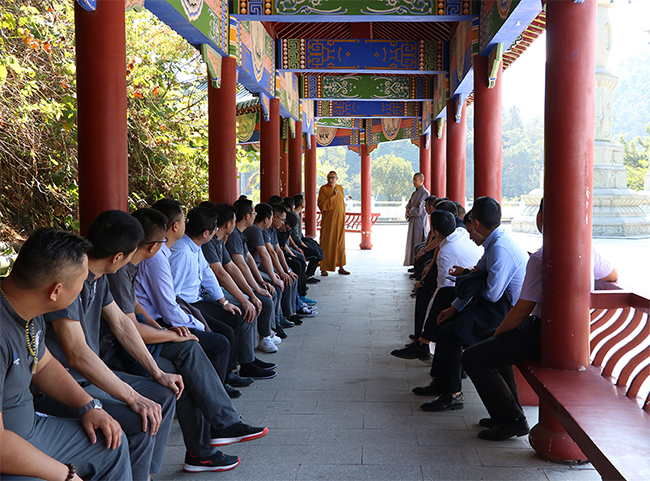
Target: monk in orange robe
pixel 331 202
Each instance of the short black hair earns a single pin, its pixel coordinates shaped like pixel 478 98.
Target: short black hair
pixel 275 199
pixel 112 232
pixel 487 211
pixel 289 201
pixel 263 212
pixel 460 209
pixel 171 208
pixel 443 221
pixel 431 200
pixel 226 214
pixel 298 199
pixel 243 207
pixel 200 219
pixel 447 206
pixel 47 256
pixel 292 219
pixel 153 222
pixel 468 218
pixel 279 209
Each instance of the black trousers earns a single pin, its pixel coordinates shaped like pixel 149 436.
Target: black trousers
pixel 420 263
pixel 225 323
pixel 313 254
pixel 444 297
pixel 422 298
pixel 466 328
pixel 490 366
pixel 299 266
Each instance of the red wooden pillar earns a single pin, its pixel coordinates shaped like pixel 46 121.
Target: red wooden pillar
pixel 270 153
pixel 295 161
pixel 568 198
pixel 425 161
pixel 284 167
pixel 366 199
pixel 439 160
pixel 456 153
pixel 222 135
pixel 101 110
pixel 487 131
pixel 311 192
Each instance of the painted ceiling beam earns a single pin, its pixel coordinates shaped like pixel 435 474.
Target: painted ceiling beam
pixel 354 11
pixel 366 88
pixel 362 56
pixel 356 109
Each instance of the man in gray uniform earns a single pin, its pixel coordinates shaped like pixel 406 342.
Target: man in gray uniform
pixel 138 403
pixel 48 275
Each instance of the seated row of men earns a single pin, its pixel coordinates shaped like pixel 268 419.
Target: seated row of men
pixel 481 292
pixel 111 335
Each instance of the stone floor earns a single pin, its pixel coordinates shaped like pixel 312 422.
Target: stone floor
pixel 341 407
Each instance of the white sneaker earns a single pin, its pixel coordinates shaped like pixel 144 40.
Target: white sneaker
pixel 274 339
pixel 267 345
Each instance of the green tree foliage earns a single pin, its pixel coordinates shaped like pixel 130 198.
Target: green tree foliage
pixel 636 154
pixel 392 178
pixel 632 97
pixel 328 159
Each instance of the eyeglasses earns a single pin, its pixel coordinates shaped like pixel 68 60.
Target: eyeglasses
pixel 331 177
pixel 164 241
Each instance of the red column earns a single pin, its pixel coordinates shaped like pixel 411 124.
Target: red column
pixel 222 135
pixel 425 161
pixel 295 161
pixel 487 132
pixel 568 187
pixel 101 109
pixel 456 153
pixel 366 199
pixel 270 153
pixel 284 167
pixel 439 161
pixel 311 192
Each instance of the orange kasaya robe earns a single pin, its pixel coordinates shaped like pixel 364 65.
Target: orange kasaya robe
pixel 332 227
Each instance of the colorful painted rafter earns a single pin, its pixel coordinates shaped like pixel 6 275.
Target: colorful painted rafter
pixel 366 87
pixel 362 56
pixel 254 50
pixel 388 129
pixel 343 123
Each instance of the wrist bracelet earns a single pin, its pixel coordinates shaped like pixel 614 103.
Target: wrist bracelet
pixel 71 472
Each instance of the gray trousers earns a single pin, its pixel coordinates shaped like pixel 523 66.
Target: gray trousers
pixel 277 301
pixel 289 299
pixel 265 319
pixel 66 441
pixel 204 401
pixel 146 452
pixel 248 338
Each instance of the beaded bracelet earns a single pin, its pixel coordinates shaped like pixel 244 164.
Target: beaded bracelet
pixel 71 472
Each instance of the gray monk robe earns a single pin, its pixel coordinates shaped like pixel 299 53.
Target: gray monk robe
pixel 418 223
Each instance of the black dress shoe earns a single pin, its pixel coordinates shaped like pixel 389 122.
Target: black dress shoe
pixel 264 365
pixel 413 337
pixel 501 432
pixel 413 276
pixel 428 390
pixel 296 320
pixel 412 269
pixel 236 380
pixel 415 350
pixel 280 332
pixel 486 422
pixel 231 391
pixel 445 402
pixel 313 280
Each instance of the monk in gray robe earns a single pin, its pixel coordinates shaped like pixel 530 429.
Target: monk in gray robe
pixel 416 215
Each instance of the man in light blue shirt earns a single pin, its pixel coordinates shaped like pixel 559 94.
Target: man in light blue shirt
pixel 465 323
pixel 192 276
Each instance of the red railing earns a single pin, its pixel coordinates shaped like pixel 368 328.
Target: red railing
pixel 352 221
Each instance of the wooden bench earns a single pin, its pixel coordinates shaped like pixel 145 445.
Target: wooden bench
pixel 600 408
pixel 352 221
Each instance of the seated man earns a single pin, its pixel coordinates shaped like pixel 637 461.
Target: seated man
pixel 237 247
pixel 74 337
pixel 260 244
pixel 466 322
pixel 423 252
pixel 311 248
pixel 47 276
pixel 192 276
pixel 455 248
pixel 490 363
pixel 205 412
pixel 232 279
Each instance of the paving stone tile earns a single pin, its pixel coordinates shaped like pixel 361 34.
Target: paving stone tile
pixel 443 472
pixel 358 473
pixel 314 421
pixel 354 437
pixel 400 455
pixel 324 395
